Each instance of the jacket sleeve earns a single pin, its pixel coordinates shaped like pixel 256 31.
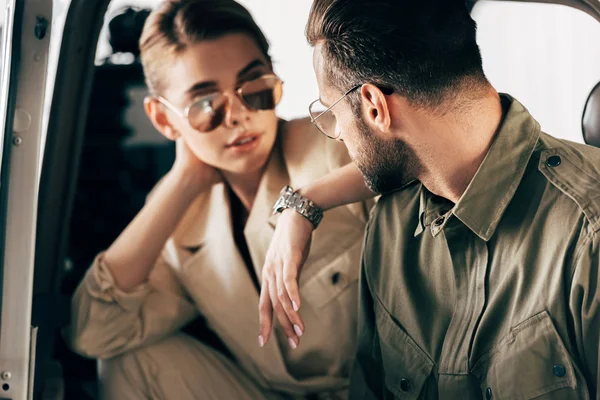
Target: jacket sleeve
pixel 106 321
pixel 585 308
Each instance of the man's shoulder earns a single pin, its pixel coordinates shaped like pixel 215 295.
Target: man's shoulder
pixel 573 169
pixel 396 211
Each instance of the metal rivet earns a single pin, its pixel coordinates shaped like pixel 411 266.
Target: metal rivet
pixel 553 161
pixel 41 28
pixel 405 385
pixel 559 370
pixel 17 140
pixel 488 393
pixel 6 375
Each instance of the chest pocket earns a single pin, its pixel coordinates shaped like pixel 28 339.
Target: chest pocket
pixel 530 362
pixel 407 367
pixel 333 264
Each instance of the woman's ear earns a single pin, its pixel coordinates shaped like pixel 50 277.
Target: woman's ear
pixel 375 107
pixel 158 116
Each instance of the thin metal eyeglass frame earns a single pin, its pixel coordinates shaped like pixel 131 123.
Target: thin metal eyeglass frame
pixel 328 110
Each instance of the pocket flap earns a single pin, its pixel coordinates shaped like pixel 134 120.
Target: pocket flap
pixel 531 361
pixel 407 366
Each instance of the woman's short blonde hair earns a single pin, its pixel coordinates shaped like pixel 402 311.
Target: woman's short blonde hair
pixel 177 24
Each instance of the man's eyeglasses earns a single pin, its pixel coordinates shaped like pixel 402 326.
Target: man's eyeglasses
pixel 323 117
pixel 206 113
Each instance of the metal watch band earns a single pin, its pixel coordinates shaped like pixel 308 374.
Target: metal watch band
pixel 288 198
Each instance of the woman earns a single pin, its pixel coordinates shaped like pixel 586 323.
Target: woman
pixel 198 246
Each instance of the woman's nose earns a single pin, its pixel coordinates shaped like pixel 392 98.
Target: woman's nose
pixel 236 113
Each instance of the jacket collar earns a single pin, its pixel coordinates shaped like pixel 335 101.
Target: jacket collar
pixel 207 216
pixel 492 188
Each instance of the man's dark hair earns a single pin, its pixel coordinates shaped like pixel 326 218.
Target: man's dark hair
pixel 425 50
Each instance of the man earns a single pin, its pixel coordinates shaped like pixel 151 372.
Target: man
pixel 480 266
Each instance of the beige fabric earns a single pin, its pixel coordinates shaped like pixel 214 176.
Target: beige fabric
pixel 201 271
pixel 496 296
pixel 154 372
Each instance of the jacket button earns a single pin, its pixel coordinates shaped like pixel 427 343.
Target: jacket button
pixel 553 161
pixel 488 393
pixel 405 385
pixel 559 370
pixel 335 278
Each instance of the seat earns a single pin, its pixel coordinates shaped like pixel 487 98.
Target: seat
pixel 590 123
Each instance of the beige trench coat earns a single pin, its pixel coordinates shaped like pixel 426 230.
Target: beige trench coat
pixel 201 271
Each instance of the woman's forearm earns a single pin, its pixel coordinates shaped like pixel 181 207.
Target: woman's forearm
pixel 131 257
pixel 342 186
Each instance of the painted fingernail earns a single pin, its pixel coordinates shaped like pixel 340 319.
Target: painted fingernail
pixel 293 344
pixel 261 341
pixel 296 308
pixel 298 330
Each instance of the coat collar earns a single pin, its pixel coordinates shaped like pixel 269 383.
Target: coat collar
pixel 210 211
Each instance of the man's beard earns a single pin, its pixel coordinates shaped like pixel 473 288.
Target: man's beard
pixel 386 165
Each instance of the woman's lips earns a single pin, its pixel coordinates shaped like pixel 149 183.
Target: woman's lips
pixel 244 143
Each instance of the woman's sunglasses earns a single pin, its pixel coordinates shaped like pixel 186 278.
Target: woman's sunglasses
pixel 206 113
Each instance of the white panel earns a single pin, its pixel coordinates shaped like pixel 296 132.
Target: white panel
pixel 547 56
pixel 23 185
pixel 283 23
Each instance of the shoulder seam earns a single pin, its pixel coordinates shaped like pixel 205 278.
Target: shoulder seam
pixel 583 202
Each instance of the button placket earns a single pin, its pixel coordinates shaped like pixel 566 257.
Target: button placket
pixel 470 263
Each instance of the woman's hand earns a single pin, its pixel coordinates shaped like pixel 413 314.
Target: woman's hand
pixel 279 290
pixel 289 249
pixel 188 165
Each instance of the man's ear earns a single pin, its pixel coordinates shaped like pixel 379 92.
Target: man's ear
pixel 375 107
pixel 158 116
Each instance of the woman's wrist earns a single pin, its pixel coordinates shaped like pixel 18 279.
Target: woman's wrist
pixel 186 181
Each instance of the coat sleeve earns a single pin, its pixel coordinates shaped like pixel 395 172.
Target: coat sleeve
pixel 106 321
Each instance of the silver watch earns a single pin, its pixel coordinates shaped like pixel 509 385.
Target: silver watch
pixel 288 198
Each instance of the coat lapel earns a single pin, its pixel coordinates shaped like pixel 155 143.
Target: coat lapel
pixel 260 225
pixel 214 272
